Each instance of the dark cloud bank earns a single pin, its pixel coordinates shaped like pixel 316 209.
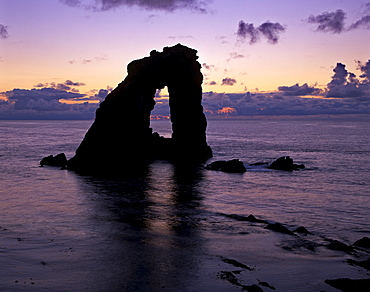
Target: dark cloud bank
pixel 346 93
pixel 47 102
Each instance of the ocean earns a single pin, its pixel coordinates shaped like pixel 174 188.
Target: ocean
pixel 173 228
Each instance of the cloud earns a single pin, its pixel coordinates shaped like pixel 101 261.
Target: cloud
pixel 363 22
pixel 96 95
pixel 334 22
pixel 44 93
pixel 228 81
pixel 88 61
pixel 329 21
pixel 296 90
pixel 340 76
pixel 208 67
pixel 247 30
pixel 181 37
pixel 72 3
pixel 162 107
pixel 345 84
pixel 345 94
pixel 223 39
pixel 164 5
pixel 271 31
pixel 67 85
pixel 365 69
pixel 4 32
pixel 41 85
pixel 71 83
pixel 103 93
pixel 273 103
pixel 44 103
pixel 39 99
pixel 235 55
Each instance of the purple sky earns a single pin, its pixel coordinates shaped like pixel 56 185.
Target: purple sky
pixel 276 50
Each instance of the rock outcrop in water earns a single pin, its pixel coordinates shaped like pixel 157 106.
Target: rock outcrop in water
pixel 232 166
pixel 57 160
pixel 285 163
pixel 363 242
pixel 121 137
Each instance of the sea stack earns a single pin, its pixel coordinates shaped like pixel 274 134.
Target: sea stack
pixel 121 137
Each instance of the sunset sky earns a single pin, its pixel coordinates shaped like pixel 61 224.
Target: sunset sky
pixel 80 48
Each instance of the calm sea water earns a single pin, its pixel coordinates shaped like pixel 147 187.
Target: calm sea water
pixel 65 232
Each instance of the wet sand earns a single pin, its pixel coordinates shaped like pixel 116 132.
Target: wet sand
pixel 217 252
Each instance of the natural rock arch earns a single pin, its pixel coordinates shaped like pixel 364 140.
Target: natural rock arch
pixel 121 131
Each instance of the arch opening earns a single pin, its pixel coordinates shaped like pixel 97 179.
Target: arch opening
pixel 160 118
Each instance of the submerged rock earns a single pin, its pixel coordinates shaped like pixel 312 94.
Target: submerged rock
pixel 364 264
pixel 363 242
pixel 337 245
pixel 350 285
pixel 302 230
pixel 231 278
pixel 237 264
pixel 279 228
pixel 249 218
pixel 285 163
pixel 265 284
pixel 57 160
pixel 231 166
pixel 216 165
pixel 121 135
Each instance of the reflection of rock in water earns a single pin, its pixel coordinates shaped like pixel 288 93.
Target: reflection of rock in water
pixel 121 132
pixel 149 231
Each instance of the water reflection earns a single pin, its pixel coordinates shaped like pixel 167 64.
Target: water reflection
pixel 186 199
pixel 148 226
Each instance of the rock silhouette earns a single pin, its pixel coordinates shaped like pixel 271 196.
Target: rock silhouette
pixel 121 137
pixel 57 160
pixel 232 166
pixel 348 285
pixel 285 163
pixel 363 242
pixel 279 228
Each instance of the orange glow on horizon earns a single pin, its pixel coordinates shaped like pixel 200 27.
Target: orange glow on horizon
pixel 159 118
pixel 66 101
pixel 226 110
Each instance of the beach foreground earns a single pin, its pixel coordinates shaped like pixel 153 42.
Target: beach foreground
pixel 198 252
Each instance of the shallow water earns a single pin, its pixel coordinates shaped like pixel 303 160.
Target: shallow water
pixel 167 227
